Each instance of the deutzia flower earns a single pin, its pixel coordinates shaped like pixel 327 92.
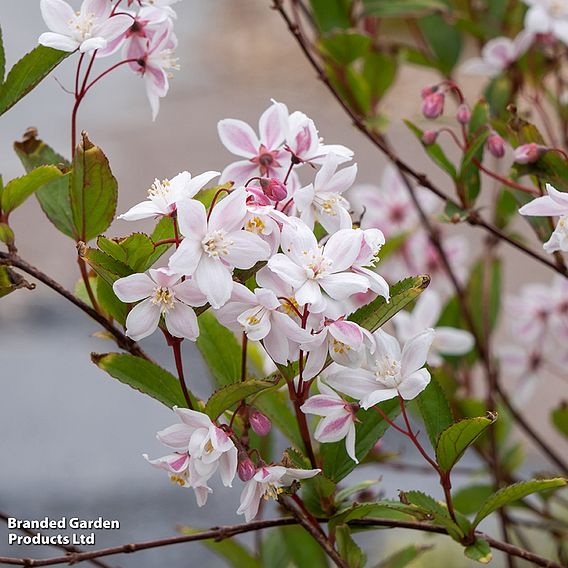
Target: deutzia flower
pixel 322 201
pixel 264 154
pixel 310 268
pixel 498 54
pixel 164 195
pixel 213 247
pixel 426 313
pixel 338 420
pixel 87 30
pixel 163 295
pixel 268 482
pixel 548 17
pixel 258 315
pixel 555 204
pixel 209 446
pixel 388 372
pixel 158 8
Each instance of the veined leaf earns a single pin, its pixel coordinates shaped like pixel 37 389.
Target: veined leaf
pixel 144 376
pixel 435 410
pixel 480 551
pixel 105 265
pixel 455 440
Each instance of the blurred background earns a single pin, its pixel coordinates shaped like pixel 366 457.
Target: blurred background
pixel 72 438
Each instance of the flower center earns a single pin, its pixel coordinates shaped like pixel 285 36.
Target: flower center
pixel 163 297
pixel 328 203
pixel 315 264
pixel 159 188
pixel 181 479
pixel 562 226
pixel 387 371
pixel 271 491
pixel 82 26
pixel 166 59
pixel 216 244
pixel 255 225
pixel 557 8
pixel 340 347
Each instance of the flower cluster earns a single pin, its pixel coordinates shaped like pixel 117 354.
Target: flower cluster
pixel 103 28
pixel 313 269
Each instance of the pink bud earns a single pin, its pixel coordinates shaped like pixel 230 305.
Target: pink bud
pixel 429 137
pixel 464 114
pixel 246 468
pixel 433 105
pixel 274 189
pixel 260 424
pixel 427 91
pixel 529 153
pixel 496 145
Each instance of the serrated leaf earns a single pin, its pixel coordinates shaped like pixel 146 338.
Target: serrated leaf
pixel 404 557
pixel 18 190
pixel 105 265
pixel 93 191
pixel 455 440
pixel 27 73
pixel 480 551
pixel 226 397
pixel 144 376
pixel 434 410
pixel 513 493
pixel 377 510
pixel 134 250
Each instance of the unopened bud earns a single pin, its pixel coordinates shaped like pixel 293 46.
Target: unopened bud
pixel 464 114
pixel 529 153
pixel 274 189
pixel 433 105
pixel 246 468
pixel 427 91
pixel 496 145
pixel 260 424
pixel 429 137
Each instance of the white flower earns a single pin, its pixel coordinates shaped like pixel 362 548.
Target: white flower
pixel 555 204
pixel 338 418
pixel 498 54
pixel 388 372
pixel 210 447
pixel 268 482
pixel 548 17
pixel 322 201
pixel 259 315
pixel 163 295
pixel 87 30
pixel 213 247
pixel 310 268
pixel 426 313
pixel 164 195
pixel 153 9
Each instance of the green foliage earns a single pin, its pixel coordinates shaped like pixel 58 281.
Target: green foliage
pixel 480 551
pixel 506 208
pixel 404 557
pixel 348 548
pixel 435 410
pixel 109 302
pixel 454 440
pixel 6 233
pixel 331 14
pixel 344 47
pixel 377 510
pixel 93 191
pixel 303 549
pixel 105 265
pixel 10 281
pixel 444 41
pixel 27 73
pixel 403 8
pixel 559 418
pixel 144 376
pixel 467 500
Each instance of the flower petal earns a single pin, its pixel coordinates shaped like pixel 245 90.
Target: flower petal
pixel 413 385
pixel 229 213
pixel 238 137
pixel 58 41
pixel 134 287
pixel 145 210
pixel 246 249
pixel 272 125
pixel 415 352
pixel 181 321
pixel 57 14
pixel 142 320
pixel 214 279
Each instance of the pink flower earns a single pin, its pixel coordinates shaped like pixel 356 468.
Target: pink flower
pixel 529 153
pixel 260 423
pixel 426 313
pixel 259 315
pixel 154 59
pixel 273 189
pixel 555 204
pixel 548 17
pixel 312 269
pixel 498 54
pixel 213 247
pixel 268 482
pixel 87 30
pixel 158 9
pixel 388 371
pixel 163 295
pixel 302 139
pixel 265 155
pixel 322 201
pixel 164 195
pixel 338 421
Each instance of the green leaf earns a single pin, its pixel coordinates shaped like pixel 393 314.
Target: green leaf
pixel 229 395
pixel 435 152
pixel 344 494
pixel 331 14
pixel 344 47
pixel 469 178
pixel 232 551
pixel 506 208
pixel 6 233
pixel 377 510
pixel 27 73
pixel 144 376
pixel 18 190
pixel 135 250
pixel 467 500
pixel 93 191
pixel 404 557
pixel 379 70
pixel 455 440
pixel 480 551
pixel 435 410
pixel 444 41
pixel 514 492
pixel 104 265
pixel 348 548
pixel 336 463
pixel 54 196
pixel 11 281
pixel 303 548
pixel 498 94
pixel 559 418
pixel 220 349
pixel 484 288
pixel 403 8
pixel 109 302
